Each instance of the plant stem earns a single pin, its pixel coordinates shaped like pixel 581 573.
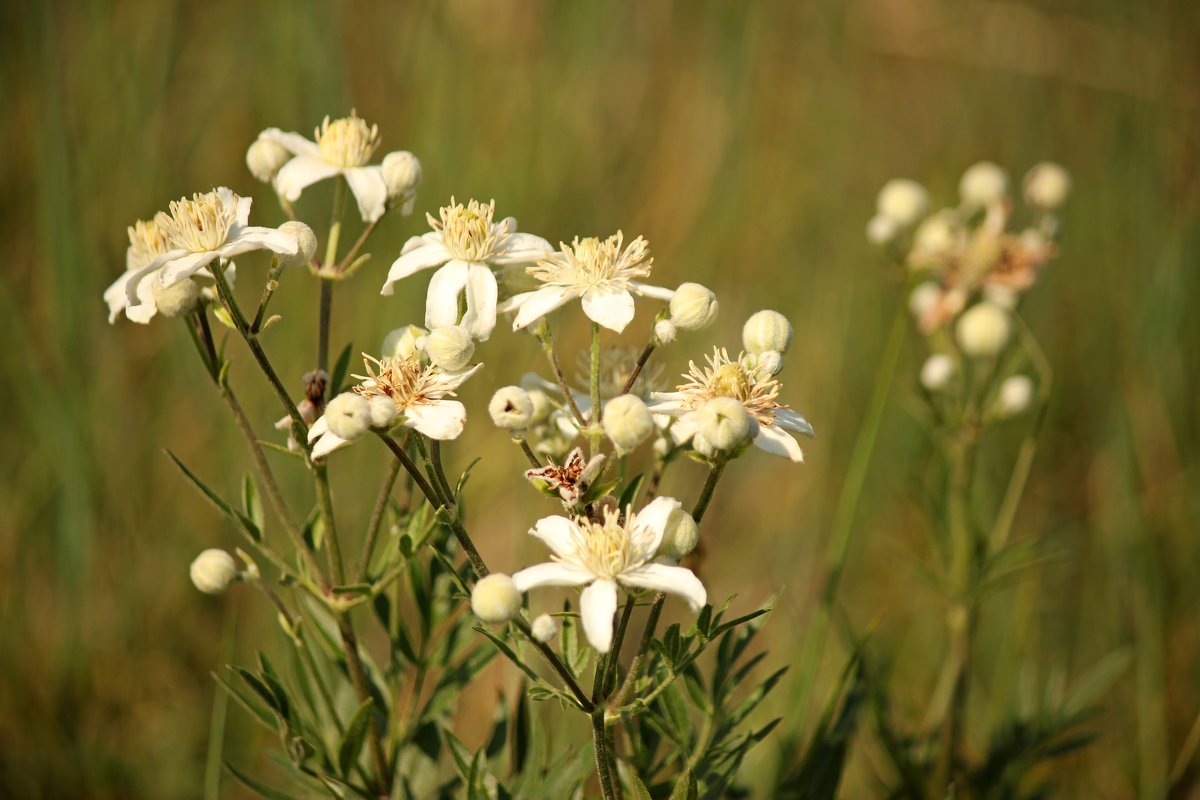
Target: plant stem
pixel 325 503
pixel 637 368
pixel 600 742
pixel 529 454
pixel 358 677
pixel 615 653
pixel 331 248
pixel 268 291
pixel 435 452
pixel 595 435
pixel 354 248
pixel 323 314
pixel 547 340
pixel 220 709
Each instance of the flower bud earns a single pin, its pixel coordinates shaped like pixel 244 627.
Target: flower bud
pixel 937 372
pixel 881 229
pixel 348 415
pixel 902 201
pixel 662 446
pixel 511 408
pixel 934 237
pixel 693 307
pixel 770 362
pixel 383 412
pixel 402 342
pixel 680 535
pixel 1016 393
pixel 543 628
pixel 1046 186
pixel 541 406
pixel 982 185
pixel 923 298
pixel 983 330
pixel 767 330
pixel 213 571
pixel 725 424
pixel 265 157
pixel 450 347
pixel 627 421
pixel 176 300
pixel 495 598
pixel 306 242
pixel 401 173
pixel 665 331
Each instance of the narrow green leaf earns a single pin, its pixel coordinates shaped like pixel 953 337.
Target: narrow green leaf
pixel 340 368
pixel 260 789
pixel 259 712
pixel 685 787
pixel 252 505
pixel 1098 679
pixel 509 652
pixel 352 741
pixel 234 516
pixel 642 792
pixel 631 490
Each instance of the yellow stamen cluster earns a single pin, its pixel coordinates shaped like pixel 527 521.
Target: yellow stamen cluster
pixel 200 224
pixel 467 232
pixel 147 240
pixel 755 389
pixel 402 379
pixel 347 142
pixel 616 365
pixel 589 263
pixel 609 548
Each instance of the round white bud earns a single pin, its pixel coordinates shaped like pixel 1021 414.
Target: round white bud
pixel 627 421
pixel 543 628
pixel 982 185
pixel 725 424
pixel 176 300
pixel 495 598
pixel 662 446
pixel 665 331
pixel 680 535
pixel 306 242
pixel 767 330
pixel 348 415
pixel 769 361
pixel 401 173
pixel 449 347
pixel 881 229
pixel 693 307
pixel 402 342
pixel 511 408
pixel 383 411
pixel 1015 395
pixel 902 201
pixel 541 406
pixel 923 298
pixel 937 372
pixel 934 237
pixel 1046 186
pixel 265 157
pixel 983 330
pixel 213 571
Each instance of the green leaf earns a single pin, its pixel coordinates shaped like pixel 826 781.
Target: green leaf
pixel 277 447
pixel 252 505
pixel 509 652
pixel 222 315
pixel 356 732
pixel 685 788
pixel 1094 683
pixel 642 792
pixel 631 491
pixel 259 712
pixel 340 368
pixel 260 789
pixel 228 511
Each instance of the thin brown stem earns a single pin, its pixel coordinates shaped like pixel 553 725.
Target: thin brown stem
pixel 637 368
pixel 547 341
pixel 435 453
pixel 556 664
pixel 529 454
pixel 354 248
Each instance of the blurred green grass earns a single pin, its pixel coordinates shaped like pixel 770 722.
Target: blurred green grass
pixel 746 142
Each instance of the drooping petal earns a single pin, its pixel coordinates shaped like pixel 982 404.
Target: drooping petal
pixel 480 318
pixel 775 439
pixel 552 573
pixel 319 428
pixel 441 301
pixel 300 173
pixel 532 306
pixel 145 308
pixel 654 517
pixel 790 420
pixel 259 238
pixel 609 307
pixel 293 142
pixel 670 403
pixel 672 580
pixel 115 297
pixel 135 276
pixel 328 442
pixel 523 248
pixel 685 428
pixel 597 604
pixel 449 381
pixel 657 292
pixel 370 190
pixel 441 419
pixel 185 267
pixel 557 532
pixel 418 254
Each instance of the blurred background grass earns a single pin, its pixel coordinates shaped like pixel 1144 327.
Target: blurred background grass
pixel 746 142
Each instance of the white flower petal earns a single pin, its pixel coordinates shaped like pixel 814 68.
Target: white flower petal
pixel 685 428
pixel 449 381
pixel 301 172
pixel 242 218
pixel 441 301
pixel 185 267
pixel 418 254
pixel 654 517
pixel 657 292
pixel 523 248
pixel 293 142
pixel 441 419
pixel 319 428
pixel 597 604
pixel 672 580
pixel 115 297
pixel 557 532
pixel 133 277
pixel 328 442
pixel 480 318
pixel 790 420
pixel 145 308
pixel 670 403
pixel 775 439
pixel 609 307
pixel 551 573
pixel 532 306
pixel 259 238
pixel 370 190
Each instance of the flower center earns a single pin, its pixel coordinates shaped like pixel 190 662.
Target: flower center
pixel 725 377
pixel 609 549
pixel 590 263
pixel 146 241
pixel 467 231
pixel 347 142
pixel 202 223
pixel 402 379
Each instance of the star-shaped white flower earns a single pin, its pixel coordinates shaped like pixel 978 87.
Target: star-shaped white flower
pixel 341 147
pixel 198 231
pixel 420 392
pixel 602 274
pixel 754 387
pixel 604 555
pixel 466 244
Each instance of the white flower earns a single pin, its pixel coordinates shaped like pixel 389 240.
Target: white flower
pixel 984 330
pixel 754 387
pixel 602 274
pixel 902 201
pixel 419 392
pixel 983 184
pixel 604 555
pixel 466 244
pixel 341 147
pixel 495 598
pixel 213 571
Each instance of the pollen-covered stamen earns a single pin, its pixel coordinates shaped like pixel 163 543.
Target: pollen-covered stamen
pixel 200 224
pixel 402 379
pixel 347 142
pixel 609 548
pixel 147 240
pixel 590 263
pixel 467 231
pixel 755 389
